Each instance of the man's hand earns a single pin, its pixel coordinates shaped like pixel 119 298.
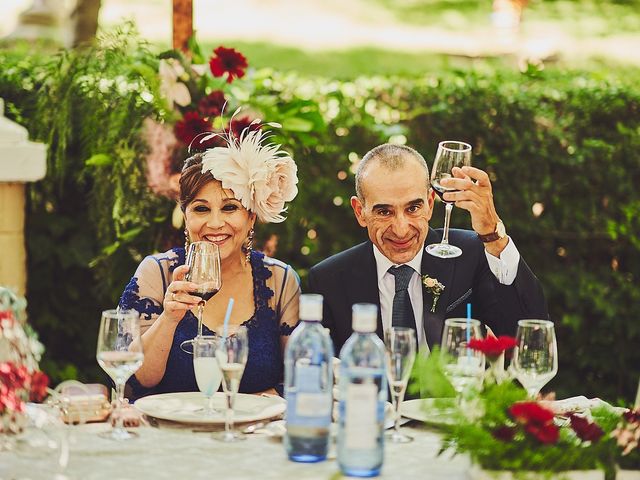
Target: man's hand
pixel 476 196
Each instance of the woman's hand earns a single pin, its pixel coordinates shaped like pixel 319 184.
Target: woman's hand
pixel 177 299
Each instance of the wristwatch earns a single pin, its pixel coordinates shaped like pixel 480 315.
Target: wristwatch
pixel 499 233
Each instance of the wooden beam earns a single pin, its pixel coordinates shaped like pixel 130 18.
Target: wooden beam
pixel 182 23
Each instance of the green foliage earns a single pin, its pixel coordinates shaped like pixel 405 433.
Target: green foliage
pixel 567 141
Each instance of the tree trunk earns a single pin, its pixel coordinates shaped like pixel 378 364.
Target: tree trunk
pixel 84 19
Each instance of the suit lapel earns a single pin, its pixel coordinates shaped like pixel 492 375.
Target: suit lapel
pixel 363 281
pixel 441 269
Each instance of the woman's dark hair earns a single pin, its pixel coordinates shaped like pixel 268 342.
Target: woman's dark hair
pixel 192 180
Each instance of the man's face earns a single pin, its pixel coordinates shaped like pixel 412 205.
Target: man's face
pixel 396 209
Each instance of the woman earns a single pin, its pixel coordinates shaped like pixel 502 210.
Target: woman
pixel 223 191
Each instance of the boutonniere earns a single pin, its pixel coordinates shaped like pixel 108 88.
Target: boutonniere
pixel 434 287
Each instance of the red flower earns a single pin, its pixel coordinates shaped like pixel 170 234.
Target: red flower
pixel 39 383
pixel 229 61
pixel 238 125
pixel 190 126
pixel 536 420
pixel 12 376
pixel 8 316
pixel 212 104
pixel 586 430
pixel 492 346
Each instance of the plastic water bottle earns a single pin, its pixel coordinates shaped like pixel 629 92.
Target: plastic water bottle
pixel 308 385
pixel 363 394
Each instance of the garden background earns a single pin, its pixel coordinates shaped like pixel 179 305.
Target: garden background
pixel 559 132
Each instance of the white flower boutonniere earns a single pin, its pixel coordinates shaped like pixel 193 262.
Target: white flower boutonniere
pixel 434 287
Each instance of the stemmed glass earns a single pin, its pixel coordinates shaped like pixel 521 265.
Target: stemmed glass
pixel 203 260
pixel 207 370
pixel 535 357
pixel 450 154
pixel 463 366
pixel 119 353
pixel 400 349
pixel 231 354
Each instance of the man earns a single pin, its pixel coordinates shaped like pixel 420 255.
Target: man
pixel 394 203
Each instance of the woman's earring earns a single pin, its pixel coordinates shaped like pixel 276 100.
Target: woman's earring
pixel 249 245
pixel 187 240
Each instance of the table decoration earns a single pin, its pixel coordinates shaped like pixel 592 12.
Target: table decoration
pixel 20 378
pixel 508 435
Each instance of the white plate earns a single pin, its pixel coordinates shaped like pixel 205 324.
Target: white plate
pixel 182 407
pixel 436 411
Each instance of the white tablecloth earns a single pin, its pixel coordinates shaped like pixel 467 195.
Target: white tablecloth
pixel 180 453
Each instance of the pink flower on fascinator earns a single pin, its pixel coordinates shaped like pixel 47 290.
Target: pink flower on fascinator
pixel 261 176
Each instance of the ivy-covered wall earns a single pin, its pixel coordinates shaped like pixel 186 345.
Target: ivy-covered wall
pixel 561 148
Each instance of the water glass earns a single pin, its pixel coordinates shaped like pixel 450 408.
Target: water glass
pixel 535 357
pixel 207 371
pixel 463 366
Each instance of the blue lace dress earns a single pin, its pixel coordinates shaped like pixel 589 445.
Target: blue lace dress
pixel 272 319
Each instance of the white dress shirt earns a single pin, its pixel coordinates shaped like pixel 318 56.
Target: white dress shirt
pixel 504 268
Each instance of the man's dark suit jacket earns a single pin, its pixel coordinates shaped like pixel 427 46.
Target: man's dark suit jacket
pixel 351 277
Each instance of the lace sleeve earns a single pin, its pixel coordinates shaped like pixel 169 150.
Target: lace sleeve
pixel 286 298
pixel 145 291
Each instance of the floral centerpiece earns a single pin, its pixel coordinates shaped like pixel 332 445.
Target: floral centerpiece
pixel 503 431
pixel 20 351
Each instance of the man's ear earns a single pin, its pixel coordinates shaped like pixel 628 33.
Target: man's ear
pixel 431 197
pixel 357 206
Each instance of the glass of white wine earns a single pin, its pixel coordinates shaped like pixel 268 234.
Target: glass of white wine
pixel 535 357
pixel 119 353
pixel 207 370
pixel 463 366
pixel 232 353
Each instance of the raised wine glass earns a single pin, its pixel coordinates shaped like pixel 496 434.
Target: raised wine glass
pixel 463 366
pixel 400 349
pixel 232 353
pixel 119 353
pixel 207 371
pixel 535 357
pixel 450 154
pixel 203 259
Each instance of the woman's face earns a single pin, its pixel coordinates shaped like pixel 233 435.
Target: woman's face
pixel 215 216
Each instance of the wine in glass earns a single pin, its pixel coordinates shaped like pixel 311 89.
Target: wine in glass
pixel 207 370
pixel 400 349
pixel 450 154
pixel 231 354
pixel 535 357
pixel 205 271
pixel 463 366
pixel 119 353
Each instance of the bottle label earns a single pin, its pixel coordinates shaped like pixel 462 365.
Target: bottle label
pixel 307 403
pixel 361 419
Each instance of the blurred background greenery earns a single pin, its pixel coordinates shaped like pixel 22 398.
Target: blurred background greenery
pixel 559 134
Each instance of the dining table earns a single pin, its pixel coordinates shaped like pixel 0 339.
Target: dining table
pixel 176 451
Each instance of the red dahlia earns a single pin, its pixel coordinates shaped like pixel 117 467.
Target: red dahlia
pixel 585 430
pixel 212 104
pixel 39 383
pixel 492 346
pixel 536 420
pixel 238 125
pixel 190 126
pixel 229 61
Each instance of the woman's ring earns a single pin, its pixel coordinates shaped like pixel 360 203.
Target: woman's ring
pixel 173 296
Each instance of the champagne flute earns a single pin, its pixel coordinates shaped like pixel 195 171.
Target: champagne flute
pixel 400 349
pixel 232 355
pixel 450 154
pixel 119 353
pixel 207 370
pixel 535 357
pixel 203 260
pixel 463 366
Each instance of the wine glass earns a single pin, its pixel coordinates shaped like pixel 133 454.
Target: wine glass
pixel 203 260
pixel 535 357
pixel 231 354
pixel 400 349
pixel 450 154
pixel 207 370
pixel 463 366
pixel 119 353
